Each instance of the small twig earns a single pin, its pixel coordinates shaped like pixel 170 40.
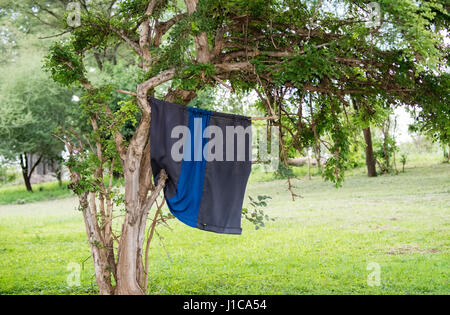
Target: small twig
pixel 311 21
pixel 164 246
pixel 150 234
pixel 265 118
pixel 260 162
pixel 126 92
pixel 56 35
pixel 270 109
pixel 285 161
pixel 271 35
pixel 150 200
pixel 164 221
pixel 229 87
pixel 111 176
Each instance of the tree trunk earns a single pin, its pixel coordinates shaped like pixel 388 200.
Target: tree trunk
pixel 26 179
pixel 309 164
pixel 138 182
pixel 59 176
pixel 129 255
pixel 102 268
pixel 128 259
pixel 26 176
pixel 448 154
pixel 370 158
pixel 385 129
pixel 394 162
pixel 131 271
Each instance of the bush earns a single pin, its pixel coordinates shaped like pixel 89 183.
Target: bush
pixel 6 175
pixel 283 172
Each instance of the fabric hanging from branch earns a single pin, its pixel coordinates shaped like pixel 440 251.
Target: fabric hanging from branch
pixel 207 156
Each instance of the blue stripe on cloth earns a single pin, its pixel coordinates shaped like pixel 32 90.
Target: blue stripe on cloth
pixel 185 205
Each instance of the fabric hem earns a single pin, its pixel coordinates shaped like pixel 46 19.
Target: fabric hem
pixel 206 227
pixel 213 113
pixel 221 230
pixel 188 222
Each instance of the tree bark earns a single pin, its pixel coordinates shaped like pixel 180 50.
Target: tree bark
pixel 102 268
pixel 385 129
pixel 201 40
pixel 59 175
pixel 309 165
pixel 26 179
pixel 24 167
pixel 130 268
pixel 128 258
pixel 448 154
pixel 24 163
pixel 370 158
pixel 129 253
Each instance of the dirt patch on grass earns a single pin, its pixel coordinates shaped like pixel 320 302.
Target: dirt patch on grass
pixel 407 249
pixel 387 227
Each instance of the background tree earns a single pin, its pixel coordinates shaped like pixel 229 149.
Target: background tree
pixel 366 116
pixel 32 107
pixel 433 118
pixel 386 146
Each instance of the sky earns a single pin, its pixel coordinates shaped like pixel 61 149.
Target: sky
pixel 404 119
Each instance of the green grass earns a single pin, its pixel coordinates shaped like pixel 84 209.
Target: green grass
pixel 46 191
pixel 319 244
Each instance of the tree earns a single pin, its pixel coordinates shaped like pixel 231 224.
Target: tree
pixel 294 54
pixel 32 107
pixel 365 117
pixel 370 157
pixel 386 146
pixel 432 118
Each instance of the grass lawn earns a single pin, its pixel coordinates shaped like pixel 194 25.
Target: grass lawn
pixel 322 243
pixel 46 191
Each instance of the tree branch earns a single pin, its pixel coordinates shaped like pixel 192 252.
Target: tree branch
pixel 201 40
pixel 133 44
pixel 126 92
pixel 34 166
